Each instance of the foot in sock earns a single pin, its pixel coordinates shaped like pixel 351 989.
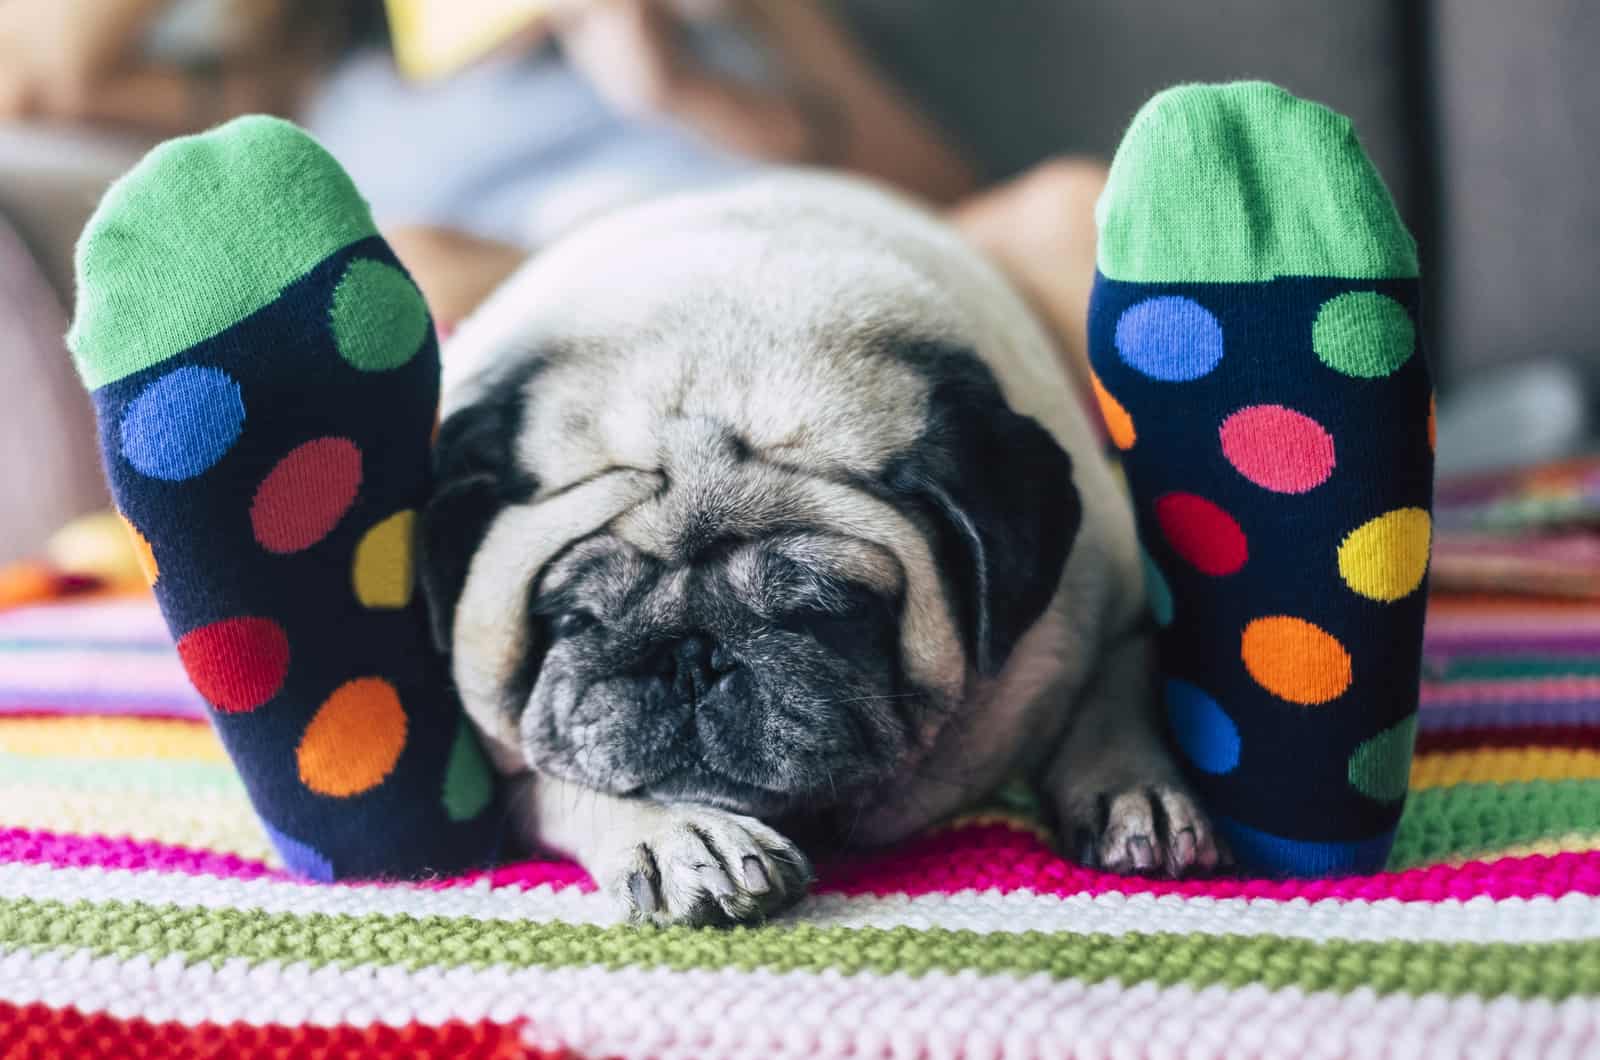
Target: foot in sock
pixel 266 380
pixel 1254 340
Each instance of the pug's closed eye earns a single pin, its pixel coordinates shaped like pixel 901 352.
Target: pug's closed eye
pixel 565 625
pixel 839 620
pixel 805 616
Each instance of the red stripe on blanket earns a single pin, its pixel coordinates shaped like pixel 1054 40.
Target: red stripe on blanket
pixel 1003 859
pixel 42 1031
pixel 1523 736
pixel 982 858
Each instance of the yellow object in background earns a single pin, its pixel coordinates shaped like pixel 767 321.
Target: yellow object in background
pixel 436 38
pixel 100 546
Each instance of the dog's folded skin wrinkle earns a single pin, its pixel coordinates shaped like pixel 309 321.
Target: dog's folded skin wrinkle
pixel 772 503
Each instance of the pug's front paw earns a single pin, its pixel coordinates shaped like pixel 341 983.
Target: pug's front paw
pixel 1148 830
pixel 699 866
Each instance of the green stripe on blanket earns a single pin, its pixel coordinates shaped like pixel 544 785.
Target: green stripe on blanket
pixel 1553 971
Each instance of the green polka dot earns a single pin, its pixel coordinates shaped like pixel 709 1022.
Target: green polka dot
pixel 1157 591
pixel 1364 334
pixel 1381 768
pixel 378 317
pixel 466 778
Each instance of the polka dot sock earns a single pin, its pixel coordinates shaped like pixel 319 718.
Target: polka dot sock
pixel 1255 353
pixel 266 378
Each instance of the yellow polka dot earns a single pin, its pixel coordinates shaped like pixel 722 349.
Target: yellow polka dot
pixel 355 740
pixel 1295 660
pixel 1119 425
pixel 1386 558
pixel 382 573
pixel 143 554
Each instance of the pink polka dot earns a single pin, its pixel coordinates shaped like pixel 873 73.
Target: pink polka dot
pixel 1278 448
pixel 1207 537
pixel 236 664
pixel 303 498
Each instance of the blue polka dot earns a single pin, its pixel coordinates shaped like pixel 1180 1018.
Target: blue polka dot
pixel 1156 590
pixel 1264 854
pixel 1169 338
pixel 1204 731
pixel 300 858
pixel 182 423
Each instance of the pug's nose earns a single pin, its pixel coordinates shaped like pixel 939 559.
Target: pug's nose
pixel 696 665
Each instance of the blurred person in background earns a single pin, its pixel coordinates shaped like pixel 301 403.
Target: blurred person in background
pixel 601 104
pixel 162 67
pixel 611 101
pixel 85 87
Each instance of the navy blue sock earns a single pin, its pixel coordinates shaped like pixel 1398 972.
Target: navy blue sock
pixel 1254 341
pixel 266 379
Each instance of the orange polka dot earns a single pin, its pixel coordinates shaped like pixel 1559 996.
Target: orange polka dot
pixel 1118 423
pixel 142 552
pixel 355 740
pixel 1295 660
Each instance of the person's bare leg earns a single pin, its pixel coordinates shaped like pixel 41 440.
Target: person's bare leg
pixel 1039 228
pixel 455 271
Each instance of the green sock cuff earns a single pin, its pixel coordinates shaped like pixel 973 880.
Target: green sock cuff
pixel 1245 182
pixel 169 260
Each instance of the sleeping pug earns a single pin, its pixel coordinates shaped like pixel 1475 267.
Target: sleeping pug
pixel 769 505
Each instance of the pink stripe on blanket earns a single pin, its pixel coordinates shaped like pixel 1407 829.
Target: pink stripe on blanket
pixel 30 847
pixel 995 857
pixel 985 858
pixel 1541 689
pixel 136 675
pixel 1513 622
pixel 129 621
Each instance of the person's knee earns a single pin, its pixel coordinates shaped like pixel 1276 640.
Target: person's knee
pixel 455 271
pixel 1065 186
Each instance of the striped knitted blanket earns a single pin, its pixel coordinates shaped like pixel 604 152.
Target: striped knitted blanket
pixel 143 913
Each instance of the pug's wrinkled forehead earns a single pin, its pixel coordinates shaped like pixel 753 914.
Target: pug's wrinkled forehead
pixel 610 576
pixel 694 401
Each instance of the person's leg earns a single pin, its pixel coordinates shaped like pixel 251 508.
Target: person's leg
pixel 266 379
pixel 1039 228
pixel 1253 332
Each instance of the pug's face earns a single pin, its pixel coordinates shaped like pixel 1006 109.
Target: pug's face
pixel 760 676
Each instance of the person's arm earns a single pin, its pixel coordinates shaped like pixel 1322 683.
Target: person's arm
pixel 833 108
pixel 882 132
pixel 167 99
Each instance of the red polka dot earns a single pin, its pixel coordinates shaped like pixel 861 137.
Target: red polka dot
pixel 1278 448
pixel 303 498
pixel 236 664
pixel 1203 534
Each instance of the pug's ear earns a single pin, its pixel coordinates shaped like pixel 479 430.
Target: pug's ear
pixel 475 478
pixel 1000 492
